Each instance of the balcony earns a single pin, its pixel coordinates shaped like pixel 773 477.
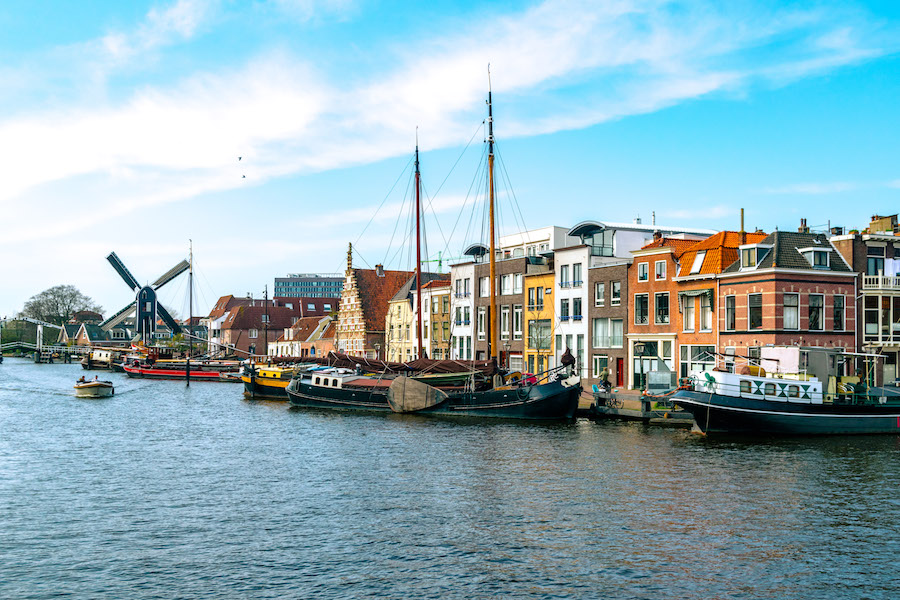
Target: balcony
pixel 565 284
pixel 462 294
pixel 881 282
pixel 576 318
pixel 577 283
pixel 564 317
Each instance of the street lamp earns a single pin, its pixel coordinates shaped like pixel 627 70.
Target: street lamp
pixel 639 352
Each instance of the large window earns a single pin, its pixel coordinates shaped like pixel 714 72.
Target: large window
pixel 688 313
pixel 643 271
pixel 697 358
pixel 706 318
pixel 874 260
pixel 838 313
pixel 607 333
pixel 564 276
pixel 483 290
pixel 599 293
pixel 576 309
pixel 564 309
pixel 641 309
pixel 536 298
pixel 729 313
pixel 576 275
pixel 517 283
pixel 601 243
pixel 504 322
pixel 754 311
pixel 600 362
pixel 792 311
pixel 506 284
pixel 616 293
pixel 816 312
pixel 662 308
pixel 517 322
pixel 480 324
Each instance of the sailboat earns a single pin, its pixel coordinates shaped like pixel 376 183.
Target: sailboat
pixel 483 393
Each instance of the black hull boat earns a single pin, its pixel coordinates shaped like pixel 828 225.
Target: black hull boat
pixel 717 413
pixel 553 401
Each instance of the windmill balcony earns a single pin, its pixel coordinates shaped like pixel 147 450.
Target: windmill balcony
pixel 881 282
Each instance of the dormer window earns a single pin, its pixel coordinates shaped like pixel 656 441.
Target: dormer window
pixel 751 256
pixel 818 258
pixel 698 262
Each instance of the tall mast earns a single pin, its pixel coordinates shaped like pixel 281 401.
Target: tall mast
pixel 492 309
pixel 187 370
pixel 421 353
pixel 266 303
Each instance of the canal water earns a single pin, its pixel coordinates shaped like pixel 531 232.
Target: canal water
pixel 164 491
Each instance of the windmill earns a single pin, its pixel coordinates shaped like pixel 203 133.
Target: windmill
pixel 146 306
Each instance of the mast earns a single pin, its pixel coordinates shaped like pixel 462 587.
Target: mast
pixel 266 303
pixel 187 370
pixel 421 350
pixel 492 312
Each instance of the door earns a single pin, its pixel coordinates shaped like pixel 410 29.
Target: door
pixel 620 372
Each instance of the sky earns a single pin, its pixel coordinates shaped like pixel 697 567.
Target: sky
pixel 267 135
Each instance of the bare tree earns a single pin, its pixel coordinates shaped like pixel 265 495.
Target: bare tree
pixel 58 304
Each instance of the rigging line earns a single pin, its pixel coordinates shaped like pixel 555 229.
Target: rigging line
pixel 514 200
pixel 459 158
pixel 473 194
pixel 397 222
pixel 434 214
pixel 385 199
pixel 361 257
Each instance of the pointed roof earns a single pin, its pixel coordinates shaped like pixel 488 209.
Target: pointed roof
pixel 679 246
pixel 408 289
pixel 375 292
pixel 306 328
pixel 785 253
pixel 720 251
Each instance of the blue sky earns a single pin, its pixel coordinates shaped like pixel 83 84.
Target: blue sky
pixel 122 123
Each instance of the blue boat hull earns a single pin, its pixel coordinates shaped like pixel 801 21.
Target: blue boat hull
pixel 717 413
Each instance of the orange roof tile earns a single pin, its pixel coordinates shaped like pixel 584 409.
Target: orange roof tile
pixel 375 292
pixel 721 250
pixel 677 245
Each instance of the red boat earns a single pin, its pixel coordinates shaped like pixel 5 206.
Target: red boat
pixel 178 370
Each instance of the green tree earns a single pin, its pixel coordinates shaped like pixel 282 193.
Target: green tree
pixel 57 304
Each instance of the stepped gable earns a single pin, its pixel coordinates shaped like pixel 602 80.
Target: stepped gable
pixel 375 292
pixel 721 251
pixel 785 252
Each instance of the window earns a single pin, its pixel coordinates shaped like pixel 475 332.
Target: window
pixel 517 322
pixel 698 262
pixel 576 309
pixel 564 276
pixel 607 333
pixel 576 275
pixel 643 271
pixel 874 260
pixel 706 319
pixel 253 334
pixel 745 386
pixel 729 313
pixel 769 389
pixel 641 309
pixel 793 391
pixel 480 324
pixel 688 314
pixel 265 318
pixel 310 306
pixel 600 362
pixel 564 309
pixel 662 308
pixel 517 283
pixel 616 291
pixel 839 313
pixel 467 316
pixel 601 243
pixel 539 334
pixel 696 358
pixel 327 307
pixel 466 290
pixel 792 311
pixel 660 269
pixel 483 290
pixel 751 257
pixel 506 284
pixel 754 311
pixel 536 298
pixel 816 312
pixel 445 331
pixel 504 322
pixel 599 294
pixel 818 259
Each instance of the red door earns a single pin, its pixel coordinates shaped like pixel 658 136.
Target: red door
pixel 620 372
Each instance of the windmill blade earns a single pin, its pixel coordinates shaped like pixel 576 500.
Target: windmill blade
pixel 117 318
pixel 167 319
pixel 123 271
pixel 171 274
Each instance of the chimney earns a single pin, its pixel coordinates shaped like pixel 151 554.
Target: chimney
pixel 743 233
pixel 653 218
pixel 379 270
pixel 803 228
pixel 657 234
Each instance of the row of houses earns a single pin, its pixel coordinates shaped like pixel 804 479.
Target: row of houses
pixel 635 299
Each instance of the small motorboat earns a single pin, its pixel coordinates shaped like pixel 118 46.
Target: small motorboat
pixel 93 388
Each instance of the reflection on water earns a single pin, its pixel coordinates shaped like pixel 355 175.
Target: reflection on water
pixel 165 491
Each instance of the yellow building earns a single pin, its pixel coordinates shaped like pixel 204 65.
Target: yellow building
pixel 401 339
pixel 436 298
pixel 540 318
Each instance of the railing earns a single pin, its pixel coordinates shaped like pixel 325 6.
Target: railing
pixel 577 283
pixel 881 282
pixel 564 284
pixel 462 294
pixel 576 318
pixel 564 317
pixel 535 307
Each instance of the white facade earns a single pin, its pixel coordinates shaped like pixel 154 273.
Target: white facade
pixel 571 302
pixel 462 310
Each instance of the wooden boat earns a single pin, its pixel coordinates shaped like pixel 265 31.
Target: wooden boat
pixel 782 397
pixel 267 382
pixel 177 369
pixel 94 389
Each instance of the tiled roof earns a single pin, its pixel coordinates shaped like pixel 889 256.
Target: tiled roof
pixel 721 250
pixel 785 253
pixel 226 303
pixel 437 283
pixel 407 290
pixel 251 317
pixel 305 327
pixel 678 245
pixel 375 292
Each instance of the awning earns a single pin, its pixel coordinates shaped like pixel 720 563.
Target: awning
pixel 708 292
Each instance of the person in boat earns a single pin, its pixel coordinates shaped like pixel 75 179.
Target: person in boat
pixel 96 378
pixel 81 379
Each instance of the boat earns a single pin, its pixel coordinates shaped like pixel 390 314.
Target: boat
pixel 93 389
pixel 791 390
pixel 102 358
pixel 184 371
pixel 268 382
pixel 458 388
